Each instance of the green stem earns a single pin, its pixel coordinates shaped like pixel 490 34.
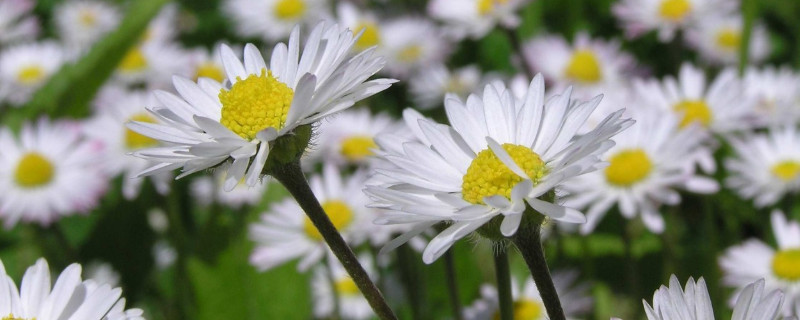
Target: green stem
pixel 292 178
pixel 501 270
pixel 516 43
pixel 452 284
pixel 412 281
pixel 749 9
pixel 528 241
pixel 183 284
pixel 631 265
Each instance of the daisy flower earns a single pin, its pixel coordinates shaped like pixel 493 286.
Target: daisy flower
pixel 152 64
pixel 207 64
pixel 332 282
pixel 780 267
pixel 40 169
pixel 357 20
pixel 775 94
pixel 349 137
pixel 16 21
pixel 211 123
pixel 411 44
pixel 527 302
pixel 475 18
pixel 26 67
pixel 162 28
pixel 766 166
pixel 430 85
pixel 649 161
pixel 272 20
pixel 108 128
pixel 82 22
pixel 70 297
pixel 720 106
pixel 589 63
pixel 499 156
pixel 285 233
pixel 718 40
pixel 209 189
pixel 666 16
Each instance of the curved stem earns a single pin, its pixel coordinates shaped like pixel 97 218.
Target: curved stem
pixel 516 44
pixel 748 15
pixel 292 178
pixel 502 272
pixel 452 284
pixel 528 241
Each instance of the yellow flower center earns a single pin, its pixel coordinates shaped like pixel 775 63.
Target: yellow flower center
pixel 254 104
pixel 487 6
pixel 787 170
pixel 524 309
pixel 488 176
pixel 290 9
pixel 339 213
pixel 693 110
pixel 87 18
pixel 135 140
pixel 584 67
pixel 30 74
pixel 209 70
pixel 729 39
pixel 358 147
pixel 370 37
pixel 12 317
pixel 34 170
pixel 628 167
pixel 347 287
pixel 133 61
pixel 786 264
pixel 410 53
pixel 675 10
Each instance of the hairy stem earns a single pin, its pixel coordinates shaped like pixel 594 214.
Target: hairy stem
pixel 528 241
pixel 502 272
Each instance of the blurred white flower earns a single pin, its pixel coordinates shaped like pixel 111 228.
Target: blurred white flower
pixel 666 16
pixel 153 64
pixel 331 281
pixel 273 20
pixel 205 64
pixel 16 21
pixel 776 94
pixel 157 220
pixel 429 86
pixel 48 171
pixel 102 273
pixel 359 20
pixel 164 254
pixel 79 23
pixel 26 67
pixel 411 44
pixel 475 18
pixel 211 188
pixel 349 137
pixel 718 40
pixel 500 155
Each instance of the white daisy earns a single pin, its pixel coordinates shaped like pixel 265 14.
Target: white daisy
pixel 210 123
pixel 666 16
pixel 499 154
pixel 590 64
pixel 357 20
pixel 775 93
pixel 528 303
pixel 349 137
pixel 754 259
pixel 40 169
pixel 26 67
pixel 16 21
pixel 285 233
pixel 718 40
pixel 766 166
pixel 720 106
pixel 208 189
pixel 162 28
pixel 327 278
pixel 102 273
pixel 68 298
pixel 475 18
pixel 153 64
pixel 108 127
pixel 649 162
pixel 411 44
pixel 80 23
pixel 430 85
pixel 273 20
pixel 207 64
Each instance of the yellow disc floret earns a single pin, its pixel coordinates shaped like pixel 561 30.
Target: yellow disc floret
pixel 290 9
pixel 694 110
pixel 87 18
pixel 133 61
pixel 628 167
pixel 729 39
pixel 524 309
pixel 487 6
pixel 30 74
pixel 787 170
pixel 12 317
pixel 340 214
pixel 135 140
pixel 786 264
pixel 488 176
pixel 675 10
pixel 584 67
pixel 34 170
pixel 370 37
pixel 410 53
pixel 254 104
pixel 347 287
pixel 209 70
pixel 358 147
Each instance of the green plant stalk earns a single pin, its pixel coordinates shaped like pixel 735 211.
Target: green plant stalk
pixel 528 241
pixel 452 284
pixel 503 274
pixel 292 178
pixel 749 11
pixel 516 44
pixel 184 296
pixel 412 281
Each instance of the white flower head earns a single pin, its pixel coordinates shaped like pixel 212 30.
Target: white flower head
pixel 499 156
pixel 718 40
pixel 349 137
pixel 211 123
pixel 775 94
pixel 666 16
pixel 273 20
pixel 48 171
pixel 411 44
pixel 359 20
pixel 766 166
pixel 153 64
pixel 16 21
pixel 331 283
pixel 207 64
pixel 26 67
pixel 475 18
pixel 430 85
pixel 208 189
pixel 80 23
